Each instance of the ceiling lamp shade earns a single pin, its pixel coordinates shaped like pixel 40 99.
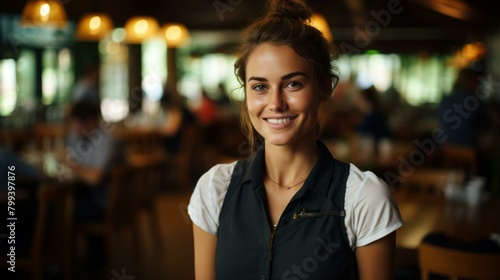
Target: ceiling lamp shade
pixel 175 34
pixel 44 13
pixel 140 28
pixel 94 27
pixel 319 22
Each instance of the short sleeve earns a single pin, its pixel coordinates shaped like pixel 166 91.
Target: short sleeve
pixel 371 210
pixel 208 196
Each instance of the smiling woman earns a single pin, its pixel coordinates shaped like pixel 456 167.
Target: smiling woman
pixel 290 210
pixel 281 100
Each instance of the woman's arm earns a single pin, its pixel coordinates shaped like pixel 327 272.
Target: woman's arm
pixel 204 254
pixel 376 260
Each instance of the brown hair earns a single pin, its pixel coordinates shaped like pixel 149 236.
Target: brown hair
pixel 287 23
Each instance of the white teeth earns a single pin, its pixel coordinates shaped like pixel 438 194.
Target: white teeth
pixel 278 121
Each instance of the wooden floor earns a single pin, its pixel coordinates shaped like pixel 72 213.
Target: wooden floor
pixel 171 260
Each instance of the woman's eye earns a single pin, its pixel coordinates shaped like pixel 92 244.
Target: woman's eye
pixel 294 85
pixel 258 87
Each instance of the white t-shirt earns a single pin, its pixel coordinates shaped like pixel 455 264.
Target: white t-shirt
pixel 371 212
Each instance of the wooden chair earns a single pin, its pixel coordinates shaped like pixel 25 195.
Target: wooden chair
pixel 121 210
pixel 457 264
pixel 51 241
pixel 458 156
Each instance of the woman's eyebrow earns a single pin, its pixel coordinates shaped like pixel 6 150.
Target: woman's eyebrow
pixel 260 79
pixel 293 74
pixel 285 77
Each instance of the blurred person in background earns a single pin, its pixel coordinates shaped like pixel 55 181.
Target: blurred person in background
pixel 206 111
pixel 465 120
pixel 176 115
pixel 373 123
pixel 461 114
pixel 91 152
pixel 87 86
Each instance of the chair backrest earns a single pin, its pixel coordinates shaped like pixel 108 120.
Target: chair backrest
pixel 458 156
pixel 453 263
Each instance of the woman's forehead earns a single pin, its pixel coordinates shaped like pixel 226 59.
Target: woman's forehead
pixel 268 60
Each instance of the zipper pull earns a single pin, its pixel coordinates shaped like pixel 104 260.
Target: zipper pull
pixel 300 214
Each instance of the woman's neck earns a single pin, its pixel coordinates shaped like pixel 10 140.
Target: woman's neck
pixel 290 163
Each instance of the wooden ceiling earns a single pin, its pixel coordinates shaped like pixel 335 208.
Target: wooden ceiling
pixel 434 23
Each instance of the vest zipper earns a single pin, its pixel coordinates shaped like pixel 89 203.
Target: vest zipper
pixel 304 214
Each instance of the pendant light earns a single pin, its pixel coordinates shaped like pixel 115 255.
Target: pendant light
pixel 44 14
pixel 140 28
pixel 175 34
pixel 94 27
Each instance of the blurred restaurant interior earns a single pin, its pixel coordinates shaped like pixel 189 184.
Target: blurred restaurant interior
pixel 146 57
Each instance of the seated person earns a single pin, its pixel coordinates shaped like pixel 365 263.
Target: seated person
pixel 373 123
pixel 90 149
pixel 460 125
pixel 177 117
pixel 91 153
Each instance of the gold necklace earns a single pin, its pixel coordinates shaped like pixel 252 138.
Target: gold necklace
pixel 286 187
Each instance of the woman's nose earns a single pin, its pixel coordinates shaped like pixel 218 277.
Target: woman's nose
pixel 277 100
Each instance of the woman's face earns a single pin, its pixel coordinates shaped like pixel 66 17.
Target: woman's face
pixel 281 95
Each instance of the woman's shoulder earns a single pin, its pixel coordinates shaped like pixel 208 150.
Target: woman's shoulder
pixel 217 178
pixel 208 196
pixel 365 184
pixel 371 210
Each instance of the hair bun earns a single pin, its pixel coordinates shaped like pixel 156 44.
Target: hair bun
pixel 291 9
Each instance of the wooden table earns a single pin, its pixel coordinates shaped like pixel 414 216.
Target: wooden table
pixel 423 214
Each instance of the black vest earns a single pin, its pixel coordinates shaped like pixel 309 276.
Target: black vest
pixel 310 241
